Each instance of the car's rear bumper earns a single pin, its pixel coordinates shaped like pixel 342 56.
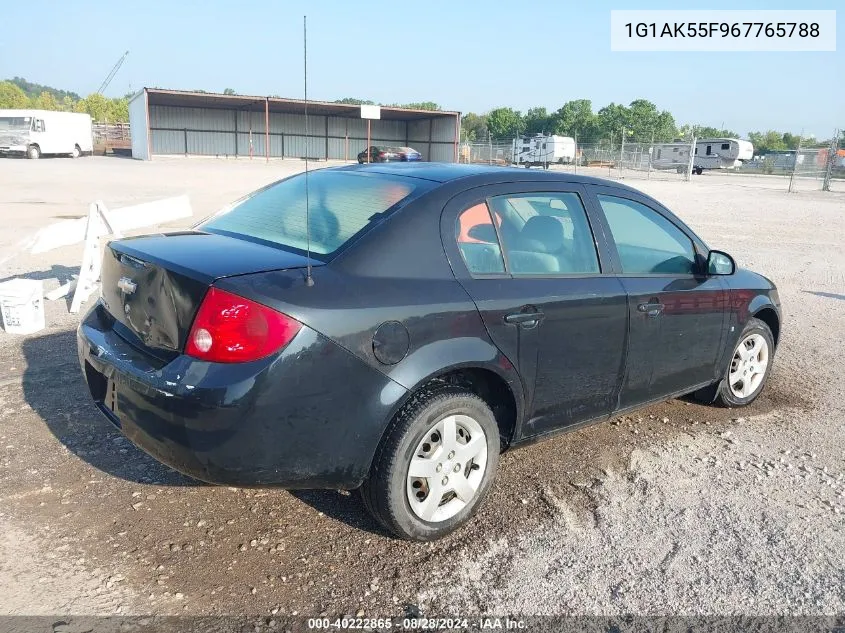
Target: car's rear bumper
pixel 309 417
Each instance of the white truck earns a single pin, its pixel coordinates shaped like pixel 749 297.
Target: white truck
pixel 33 133
pixel 541 150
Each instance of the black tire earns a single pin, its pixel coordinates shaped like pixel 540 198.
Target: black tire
pixel 724 395
pixel 33 152
pixel 360 161
pixel 77 152
pixel 384 492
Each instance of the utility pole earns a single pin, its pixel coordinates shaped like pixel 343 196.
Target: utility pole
pixel 576 152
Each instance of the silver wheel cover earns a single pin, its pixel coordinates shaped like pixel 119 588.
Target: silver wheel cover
pixel 447 468
pixel 748 366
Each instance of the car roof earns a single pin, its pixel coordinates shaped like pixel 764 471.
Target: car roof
pixel 480 174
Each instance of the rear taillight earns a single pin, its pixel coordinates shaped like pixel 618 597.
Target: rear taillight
pixel 381 154
pixel 231 329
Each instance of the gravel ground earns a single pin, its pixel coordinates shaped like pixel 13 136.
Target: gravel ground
pixel 677 509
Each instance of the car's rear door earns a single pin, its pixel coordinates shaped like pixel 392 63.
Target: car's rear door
pixel 554 312
pixel 677 311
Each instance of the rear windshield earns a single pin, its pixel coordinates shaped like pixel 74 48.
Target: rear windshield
pixel 341 206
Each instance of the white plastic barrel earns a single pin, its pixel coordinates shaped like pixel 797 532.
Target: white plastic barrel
pixel 22 305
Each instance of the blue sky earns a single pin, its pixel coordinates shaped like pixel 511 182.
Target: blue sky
pixel 467 56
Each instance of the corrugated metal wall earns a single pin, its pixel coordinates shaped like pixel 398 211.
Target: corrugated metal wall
pixel 213 132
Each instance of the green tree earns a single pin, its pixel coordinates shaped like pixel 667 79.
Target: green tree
pixel 96 105
pixel 505 123
pixel 644 120
pixel 229 91
pixel 765 142
pixel 576 118
pixel 12 97
pixel 610 121
pixel 118 110
pixel 537 121
pixel 686 132
pixel 45 101
pixel 354 101
pixel 473 127
pixel 422 105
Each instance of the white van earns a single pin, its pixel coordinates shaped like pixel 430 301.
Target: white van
pixel 33 133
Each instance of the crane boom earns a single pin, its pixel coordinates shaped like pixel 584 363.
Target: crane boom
pixel 113 72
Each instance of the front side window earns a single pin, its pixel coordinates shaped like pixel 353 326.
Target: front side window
pixel 478 242
pixel 546 234
pixel 647 242
pixel 340 206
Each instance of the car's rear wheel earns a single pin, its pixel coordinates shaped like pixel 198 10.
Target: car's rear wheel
pixel 749 367
pixel 76 153
pixel 435 465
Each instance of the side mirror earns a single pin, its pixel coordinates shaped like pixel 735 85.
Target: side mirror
pixel 720 263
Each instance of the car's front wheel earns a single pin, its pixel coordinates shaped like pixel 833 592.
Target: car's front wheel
pixel 748 370
pixel 435 465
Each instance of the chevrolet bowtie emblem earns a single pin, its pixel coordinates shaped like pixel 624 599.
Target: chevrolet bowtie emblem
pixel 126 285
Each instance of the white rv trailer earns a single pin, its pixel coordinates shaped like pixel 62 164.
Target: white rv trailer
pixel 32 133
pixel 540 150
pixel 670 156
pixel 721 153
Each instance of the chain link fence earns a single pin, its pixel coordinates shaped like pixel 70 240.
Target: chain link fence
pixel 820 168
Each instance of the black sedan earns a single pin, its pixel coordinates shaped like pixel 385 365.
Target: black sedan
pixel 420 319
pixel 381 154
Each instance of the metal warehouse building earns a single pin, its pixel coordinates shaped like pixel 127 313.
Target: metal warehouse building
pixel 173 122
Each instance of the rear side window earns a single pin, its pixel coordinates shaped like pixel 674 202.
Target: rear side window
pixel 647 242
pixel 549 234
pixel 340 207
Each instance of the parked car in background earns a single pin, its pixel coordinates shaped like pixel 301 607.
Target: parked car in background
pixel 383 154
pixel 415 322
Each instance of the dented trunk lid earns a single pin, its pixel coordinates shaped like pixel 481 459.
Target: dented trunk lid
pixel 153 285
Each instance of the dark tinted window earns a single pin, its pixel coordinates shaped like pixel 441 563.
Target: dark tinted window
pixel 548 234
pixel 726 145
pixel 340 206
pixel 646 241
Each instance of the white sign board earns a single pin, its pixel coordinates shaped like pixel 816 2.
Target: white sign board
pixel 370 112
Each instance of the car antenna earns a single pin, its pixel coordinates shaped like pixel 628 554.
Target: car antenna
pixel 309 280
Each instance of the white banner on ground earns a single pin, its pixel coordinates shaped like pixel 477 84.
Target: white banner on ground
pixel 100 223
pixel 126 219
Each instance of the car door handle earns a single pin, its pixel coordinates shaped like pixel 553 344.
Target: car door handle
pixel 651 309
pixel 526 319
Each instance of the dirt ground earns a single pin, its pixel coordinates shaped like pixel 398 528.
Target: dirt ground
pixel 678 509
